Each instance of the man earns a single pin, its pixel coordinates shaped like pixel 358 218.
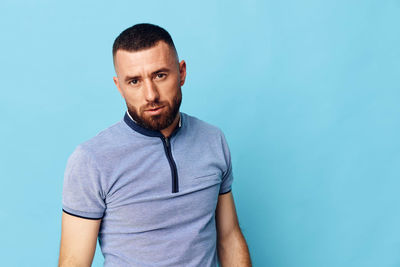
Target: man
pixel 155 187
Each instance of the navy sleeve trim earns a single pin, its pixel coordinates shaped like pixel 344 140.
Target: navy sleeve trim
pixel 226 192
pixel 81 216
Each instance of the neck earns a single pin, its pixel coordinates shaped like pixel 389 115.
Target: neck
pixel 168 131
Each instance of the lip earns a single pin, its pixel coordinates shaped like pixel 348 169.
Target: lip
pixel 154 111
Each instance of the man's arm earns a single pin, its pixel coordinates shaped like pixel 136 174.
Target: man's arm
pixel 232 247
pixel 78 241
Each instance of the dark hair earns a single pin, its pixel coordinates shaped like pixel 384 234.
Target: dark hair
pixel 141 36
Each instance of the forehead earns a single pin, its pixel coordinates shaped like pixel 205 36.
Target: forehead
pixel 147 60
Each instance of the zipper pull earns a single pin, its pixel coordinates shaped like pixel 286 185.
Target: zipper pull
pixel 166 141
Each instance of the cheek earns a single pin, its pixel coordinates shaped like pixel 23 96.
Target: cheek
pixel 171 89
pixel 133 100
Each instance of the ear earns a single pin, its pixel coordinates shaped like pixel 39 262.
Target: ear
pixel 118 87
pixel 182 72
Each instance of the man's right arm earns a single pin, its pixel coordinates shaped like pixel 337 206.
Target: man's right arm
pixel 78 241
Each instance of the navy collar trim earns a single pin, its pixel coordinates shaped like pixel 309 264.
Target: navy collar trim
pixel 136 127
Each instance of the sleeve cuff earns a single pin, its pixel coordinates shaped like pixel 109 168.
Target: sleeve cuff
pixel 82 214
pixel 225 192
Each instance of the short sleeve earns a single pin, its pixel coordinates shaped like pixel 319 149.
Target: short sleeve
pixel 82 192
pixel 227 178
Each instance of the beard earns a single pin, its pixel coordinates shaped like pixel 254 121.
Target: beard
pixel 160 121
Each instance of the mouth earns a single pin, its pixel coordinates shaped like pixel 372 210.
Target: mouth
pixel 154 111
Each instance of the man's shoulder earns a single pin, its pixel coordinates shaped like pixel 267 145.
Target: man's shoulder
pixel 106 139
pixel 200 126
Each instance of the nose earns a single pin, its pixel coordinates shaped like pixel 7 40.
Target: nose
pixel 150 91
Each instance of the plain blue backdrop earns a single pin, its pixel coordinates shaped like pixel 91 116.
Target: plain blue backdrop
pixel 307 93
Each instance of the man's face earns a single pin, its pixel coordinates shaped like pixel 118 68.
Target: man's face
pixel 150 81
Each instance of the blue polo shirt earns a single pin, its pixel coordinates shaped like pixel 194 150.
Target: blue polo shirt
pixel 156 196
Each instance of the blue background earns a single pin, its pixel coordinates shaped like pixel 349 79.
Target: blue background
pixel 307 93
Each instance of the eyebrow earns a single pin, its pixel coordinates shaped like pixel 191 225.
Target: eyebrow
pixel 161 70
pixel 129 78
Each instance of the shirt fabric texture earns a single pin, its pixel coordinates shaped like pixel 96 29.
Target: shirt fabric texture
pixel 151 214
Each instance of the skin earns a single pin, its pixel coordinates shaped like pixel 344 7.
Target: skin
pixel 148 78
pixel 231 245
pixel 78 241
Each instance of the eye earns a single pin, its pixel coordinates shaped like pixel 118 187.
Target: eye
pixel 160 75
pixel 134 82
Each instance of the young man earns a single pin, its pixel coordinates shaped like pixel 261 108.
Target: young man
pixel 155 187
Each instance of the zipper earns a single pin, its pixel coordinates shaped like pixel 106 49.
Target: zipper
pixel 172 165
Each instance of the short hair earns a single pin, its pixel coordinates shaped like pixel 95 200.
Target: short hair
pixel 142 36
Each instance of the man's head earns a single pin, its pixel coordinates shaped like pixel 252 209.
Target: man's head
pixel 149 75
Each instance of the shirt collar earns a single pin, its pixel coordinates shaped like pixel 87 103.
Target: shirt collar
pixel 138 128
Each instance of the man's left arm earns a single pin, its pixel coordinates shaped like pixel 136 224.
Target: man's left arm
pixel 232 247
